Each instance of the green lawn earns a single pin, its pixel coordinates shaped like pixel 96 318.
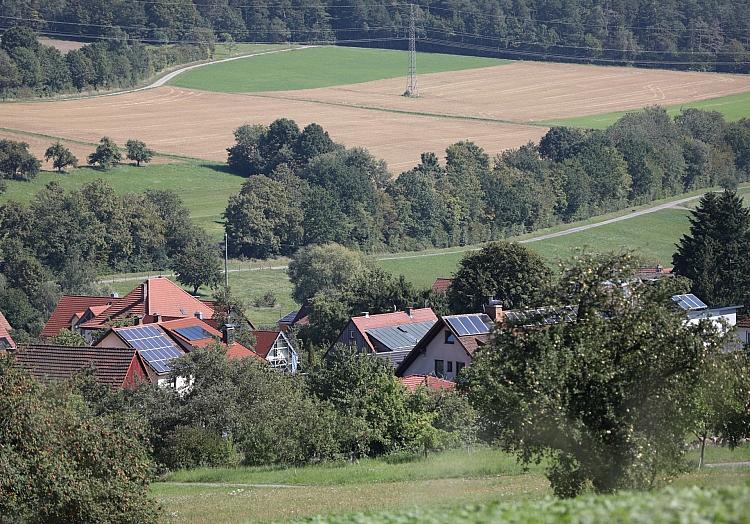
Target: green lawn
pixel 319 67
pixel 733 107
pixel 440 482
pixel 203 186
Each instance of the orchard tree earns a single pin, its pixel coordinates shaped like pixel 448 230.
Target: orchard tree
pixel 508 272
pixel 16 162
pixel 324 267
pixel 198 265
pixel 605 398
pixel 107 154
pixel 715 254
pixel 722 405
pixel 61 157
pixel 138 152
pixel 104 455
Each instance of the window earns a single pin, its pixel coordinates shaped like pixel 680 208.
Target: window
pixel 459 367
pixel 449 366
pixel 449 338
pixel 439 368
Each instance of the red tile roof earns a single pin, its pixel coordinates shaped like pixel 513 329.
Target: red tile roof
pixel 236 350
pixel 68 306
pixel 398 318
pixel 264 341
pixel 441 285
pixel 4 324
pixel 154 296
pixel 744 322
pixel 114 367
pixel 472 342
pixel 413 382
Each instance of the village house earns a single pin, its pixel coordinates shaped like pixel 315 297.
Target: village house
pixel 6 340
pixel 448 346
pixel 277 349
pixel 442 284
pixel 294 319
pixel 118 368
pixel 387 335
pixel 154 300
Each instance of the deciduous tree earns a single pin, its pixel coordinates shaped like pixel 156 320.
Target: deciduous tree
pixel 605 398
pixel 138 152
pixel 61 157
pixel 107 154
pixel 198 265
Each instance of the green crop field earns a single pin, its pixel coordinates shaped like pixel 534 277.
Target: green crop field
pixel 204 187
pixel 410 485
pixel 318 67
pixel 733 107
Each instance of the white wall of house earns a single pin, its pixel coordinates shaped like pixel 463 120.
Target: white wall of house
pixel 439 350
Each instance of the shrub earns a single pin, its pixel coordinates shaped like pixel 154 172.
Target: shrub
pixel 193 447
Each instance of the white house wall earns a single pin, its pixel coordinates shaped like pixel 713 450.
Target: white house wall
pixel 437 349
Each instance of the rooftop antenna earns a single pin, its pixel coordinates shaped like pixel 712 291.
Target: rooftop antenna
pixel 411 86
pixel 226 260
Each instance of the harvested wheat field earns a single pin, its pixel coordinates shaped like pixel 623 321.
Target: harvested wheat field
pixel 200 124
pixel 492 106
pixel 530 91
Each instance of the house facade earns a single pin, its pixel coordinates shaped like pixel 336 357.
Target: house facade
pixel 277 349
pixel 448 347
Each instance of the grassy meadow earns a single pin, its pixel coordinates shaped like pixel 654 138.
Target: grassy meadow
pixel 204 186
pixel 442 482
pixel 733 107
pixel 318 67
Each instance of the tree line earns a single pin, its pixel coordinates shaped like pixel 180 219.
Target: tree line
pixel 30 68
pixel 304 189
pixel 697 35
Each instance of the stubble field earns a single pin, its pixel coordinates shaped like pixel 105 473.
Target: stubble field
pixel 497 106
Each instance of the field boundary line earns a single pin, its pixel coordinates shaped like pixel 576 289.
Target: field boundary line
pixel 426 114
pixel 232 485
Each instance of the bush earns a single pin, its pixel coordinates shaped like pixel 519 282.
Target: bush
pixel 268 299
pixel 194 447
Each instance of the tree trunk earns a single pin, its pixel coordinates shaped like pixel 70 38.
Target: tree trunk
pixel 195 290
pixel 703 449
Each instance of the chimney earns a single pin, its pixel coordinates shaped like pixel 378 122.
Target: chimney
pixel 409 311
pixel 199 315
pixel 494 310
pixel 227 334
pixel 114 295
pixel 157 317
pixel 137 321
pixel 366 314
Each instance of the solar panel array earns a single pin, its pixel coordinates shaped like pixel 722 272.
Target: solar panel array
pixel 689 302
pixel 463 325
pixel 193 332
pixel 544 316
pixel 153 344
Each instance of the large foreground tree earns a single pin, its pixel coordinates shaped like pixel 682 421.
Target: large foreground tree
pixel 715 254
pixel 605 398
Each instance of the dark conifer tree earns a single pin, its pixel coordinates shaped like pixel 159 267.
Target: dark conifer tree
pixel 715 255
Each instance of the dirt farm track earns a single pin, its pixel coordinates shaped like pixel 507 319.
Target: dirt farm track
pixel 495 107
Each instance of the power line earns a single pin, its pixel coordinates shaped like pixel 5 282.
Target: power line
pixel 534 54
pixel 411 86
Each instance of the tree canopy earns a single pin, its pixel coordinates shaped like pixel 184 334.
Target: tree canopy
pixel 605 398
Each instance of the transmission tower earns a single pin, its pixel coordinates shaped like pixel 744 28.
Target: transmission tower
pixel 411 86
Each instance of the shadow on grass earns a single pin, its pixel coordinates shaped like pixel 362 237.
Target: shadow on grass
pixel 219 168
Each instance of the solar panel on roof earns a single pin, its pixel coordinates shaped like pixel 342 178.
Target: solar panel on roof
pixel 689 302
pixel 465 325
pixel 156 348
pixel 193 332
